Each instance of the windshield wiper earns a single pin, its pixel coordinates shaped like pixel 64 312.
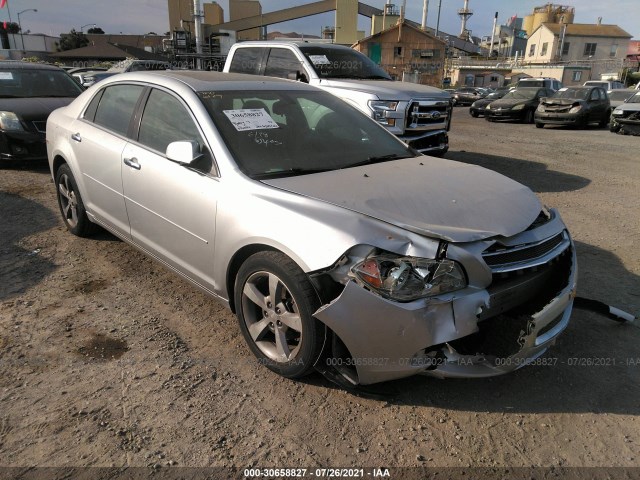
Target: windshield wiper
pixel 379 159
pixel 291 172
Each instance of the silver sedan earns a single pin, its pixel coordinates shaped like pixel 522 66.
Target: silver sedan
pixel 338 247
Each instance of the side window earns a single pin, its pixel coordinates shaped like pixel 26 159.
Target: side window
pixel 283 63
pixel 166 120
pixel 595 94
pixel 116 107
pixel 247 60
pixel 90 112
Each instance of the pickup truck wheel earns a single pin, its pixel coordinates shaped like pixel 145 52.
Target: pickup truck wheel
pixel 275 304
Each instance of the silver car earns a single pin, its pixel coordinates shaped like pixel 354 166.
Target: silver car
pixel 338 247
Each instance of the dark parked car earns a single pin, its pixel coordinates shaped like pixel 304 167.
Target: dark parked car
pixel 468 95
pixel 479 107
pixel 28 94
pixel 518 104
pixel 574 106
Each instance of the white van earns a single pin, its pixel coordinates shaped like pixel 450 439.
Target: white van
pixel 606 84
pixel 540 82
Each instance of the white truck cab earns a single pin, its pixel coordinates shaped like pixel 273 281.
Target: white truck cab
pixel 419 115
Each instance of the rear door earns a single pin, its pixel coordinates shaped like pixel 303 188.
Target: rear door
pixel 171 208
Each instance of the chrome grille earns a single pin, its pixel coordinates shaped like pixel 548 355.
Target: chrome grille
pixel 426 113
pixel 502 259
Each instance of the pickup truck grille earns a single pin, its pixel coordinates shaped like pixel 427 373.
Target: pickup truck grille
pixel 427 114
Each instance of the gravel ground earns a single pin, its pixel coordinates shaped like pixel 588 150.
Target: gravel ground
pixel 107 359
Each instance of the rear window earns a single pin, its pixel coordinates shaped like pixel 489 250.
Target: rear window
pixel 247 60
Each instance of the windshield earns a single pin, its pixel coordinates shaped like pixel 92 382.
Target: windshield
pixel 635 98
pixel 521 94
pixel 343 63
pixel 496 95
pixel 577 93
pixel 283 133
pixel 30 83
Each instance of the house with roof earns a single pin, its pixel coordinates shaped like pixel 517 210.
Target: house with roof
pixel 103 52
pixel 406 52
pixel 579 52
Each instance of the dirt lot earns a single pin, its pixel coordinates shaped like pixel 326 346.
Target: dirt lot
pixel 107 359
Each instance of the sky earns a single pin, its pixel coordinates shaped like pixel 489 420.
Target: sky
pixel 142 16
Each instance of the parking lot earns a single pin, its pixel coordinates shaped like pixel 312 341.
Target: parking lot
pixel 107 359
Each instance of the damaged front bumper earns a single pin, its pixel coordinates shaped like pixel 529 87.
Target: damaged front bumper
pixel 472 333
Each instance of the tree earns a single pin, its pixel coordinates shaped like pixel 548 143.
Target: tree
pixel 152 33
pixel 71 40
pixel 97 30
pixel 12 27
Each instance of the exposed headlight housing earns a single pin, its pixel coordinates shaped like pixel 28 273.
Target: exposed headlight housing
pixel 541 108
pixel 9 121
pixel 381 110
pixel 518 107
pixel 409 278
pixel 617 112
pixel 575 109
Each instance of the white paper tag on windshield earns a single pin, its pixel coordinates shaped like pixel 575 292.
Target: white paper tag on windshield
pixel 319 60
pixel 6 76
pixel 250 119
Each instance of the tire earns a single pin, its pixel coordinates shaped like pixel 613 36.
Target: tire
pixel 539 125
pixel 528 117
pixel 474 114
pixel 71 205
pixel 275 302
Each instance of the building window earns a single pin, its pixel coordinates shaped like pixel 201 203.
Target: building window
pixel 565 48
pixel 532 50
pixel 493 78
pixel 577 76
pixel 614 50
pixel 543 52
pixel 589 49
pixel 397 51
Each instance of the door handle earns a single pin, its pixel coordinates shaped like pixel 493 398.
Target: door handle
pixel 76 137
pixel 132 162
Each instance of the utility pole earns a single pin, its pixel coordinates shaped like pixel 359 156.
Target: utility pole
pixel 425 10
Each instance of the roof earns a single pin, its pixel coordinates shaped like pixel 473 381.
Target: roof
pixel 405 24
pixel 587 30
pixel 18 65
pixel 203 81
pixel 108 51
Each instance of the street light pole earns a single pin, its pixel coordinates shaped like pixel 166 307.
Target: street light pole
pixel 20 24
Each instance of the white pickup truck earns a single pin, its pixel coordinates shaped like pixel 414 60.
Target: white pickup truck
pixel 418 114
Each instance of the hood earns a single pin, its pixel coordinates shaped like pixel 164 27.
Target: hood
pixel 387 89
pixel 509 102
pixel 433 197
pixel 561 101
pixel 482 102
pixel 630 107
pixel 37 108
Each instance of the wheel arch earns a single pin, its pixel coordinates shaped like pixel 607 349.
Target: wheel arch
pixel 236 262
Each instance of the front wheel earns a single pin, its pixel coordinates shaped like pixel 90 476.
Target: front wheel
pixel 528 116
pixel 474 114
pixel 275 302
pixel 71 205
pixel 539 125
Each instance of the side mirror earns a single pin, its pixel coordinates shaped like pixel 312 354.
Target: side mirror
pixel 298 77
pixel 184 152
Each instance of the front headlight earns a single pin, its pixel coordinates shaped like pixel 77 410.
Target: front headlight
pixel 488 107
pixel 381 110
pixel 575 109
pixel 10 121
pixel 518 107
pixel 617 112
pixel 541 108
pixel 409 278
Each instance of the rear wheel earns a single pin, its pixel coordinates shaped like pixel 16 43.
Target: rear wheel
pixel 71 205
pixel 275 303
